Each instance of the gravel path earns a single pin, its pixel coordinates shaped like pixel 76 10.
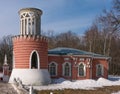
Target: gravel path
pixel 6 88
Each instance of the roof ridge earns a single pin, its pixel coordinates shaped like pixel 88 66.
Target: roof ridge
pixel 74 51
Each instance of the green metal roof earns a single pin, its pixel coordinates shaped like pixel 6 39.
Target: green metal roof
pixel 72 51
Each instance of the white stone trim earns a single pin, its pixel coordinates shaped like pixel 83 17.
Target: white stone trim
pixel 56 68
pixel 81 59
pixel 84 69
pixel 21 26
pixel 63 68
pixel 26 28
pixel 33 77
pixel 38 58
pixel 66 58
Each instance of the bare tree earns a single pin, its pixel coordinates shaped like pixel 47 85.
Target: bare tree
pixel 93 39
pixel 68 39
pixel 6 48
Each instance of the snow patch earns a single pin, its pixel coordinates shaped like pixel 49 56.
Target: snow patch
pixel 61 83
pixel 116 92
pixel 1 75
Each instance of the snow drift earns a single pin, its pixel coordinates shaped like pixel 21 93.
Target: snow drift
pixel 61 83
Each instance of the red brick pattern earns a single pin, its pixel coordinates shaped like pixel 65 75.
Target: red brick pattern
pixel 23 47
pixel 104 62
pixel 90 71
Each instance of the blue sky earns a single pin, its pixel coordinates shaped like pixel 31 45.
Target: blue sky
pixel 58 15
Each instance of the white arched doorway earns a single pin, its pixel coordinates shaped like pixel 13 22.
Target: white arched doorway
pixel 34 60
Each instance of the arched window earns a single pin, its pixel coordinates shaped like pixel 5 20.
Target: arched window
pixel 99 70
pixel 53 69
pixel 81 70
pixel 34 60
pixel 66 69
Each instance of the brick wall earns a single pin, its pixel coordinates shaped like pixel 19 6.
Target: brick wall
pixel 74 70
pixel 104 62
pixel 24 45
pixel 90 70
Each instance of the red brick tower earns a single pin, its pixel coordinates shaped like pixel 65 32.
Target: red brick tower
pixel 30 50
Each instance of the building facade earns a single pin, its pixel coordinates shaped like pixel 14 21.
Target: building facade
pixel 74 64
pixel 33 64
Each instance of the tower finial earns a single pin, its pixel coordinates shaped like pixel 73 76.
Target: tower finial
pixel 5 60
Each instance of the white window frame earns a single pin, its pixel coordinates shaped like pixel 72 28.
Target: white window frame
pixel 63 68
pixel 84 69
pixel 102 70
pixel 65 59
pixel 55 70
pixel 37 58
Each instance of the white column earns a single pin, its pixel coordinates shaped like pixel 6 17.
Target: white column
pixel 21 26
pixel 35 27
pixel 31 25
pixel 27 27
pixel 24 27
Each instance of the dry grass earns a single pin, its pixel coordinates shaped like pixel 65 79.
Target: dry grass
pixel 6 88
pixel 104 90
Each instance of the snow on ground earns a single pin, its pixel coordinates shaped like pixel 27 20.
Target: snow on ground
pixel 116 92
pixel 1 75
pixel 61 83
